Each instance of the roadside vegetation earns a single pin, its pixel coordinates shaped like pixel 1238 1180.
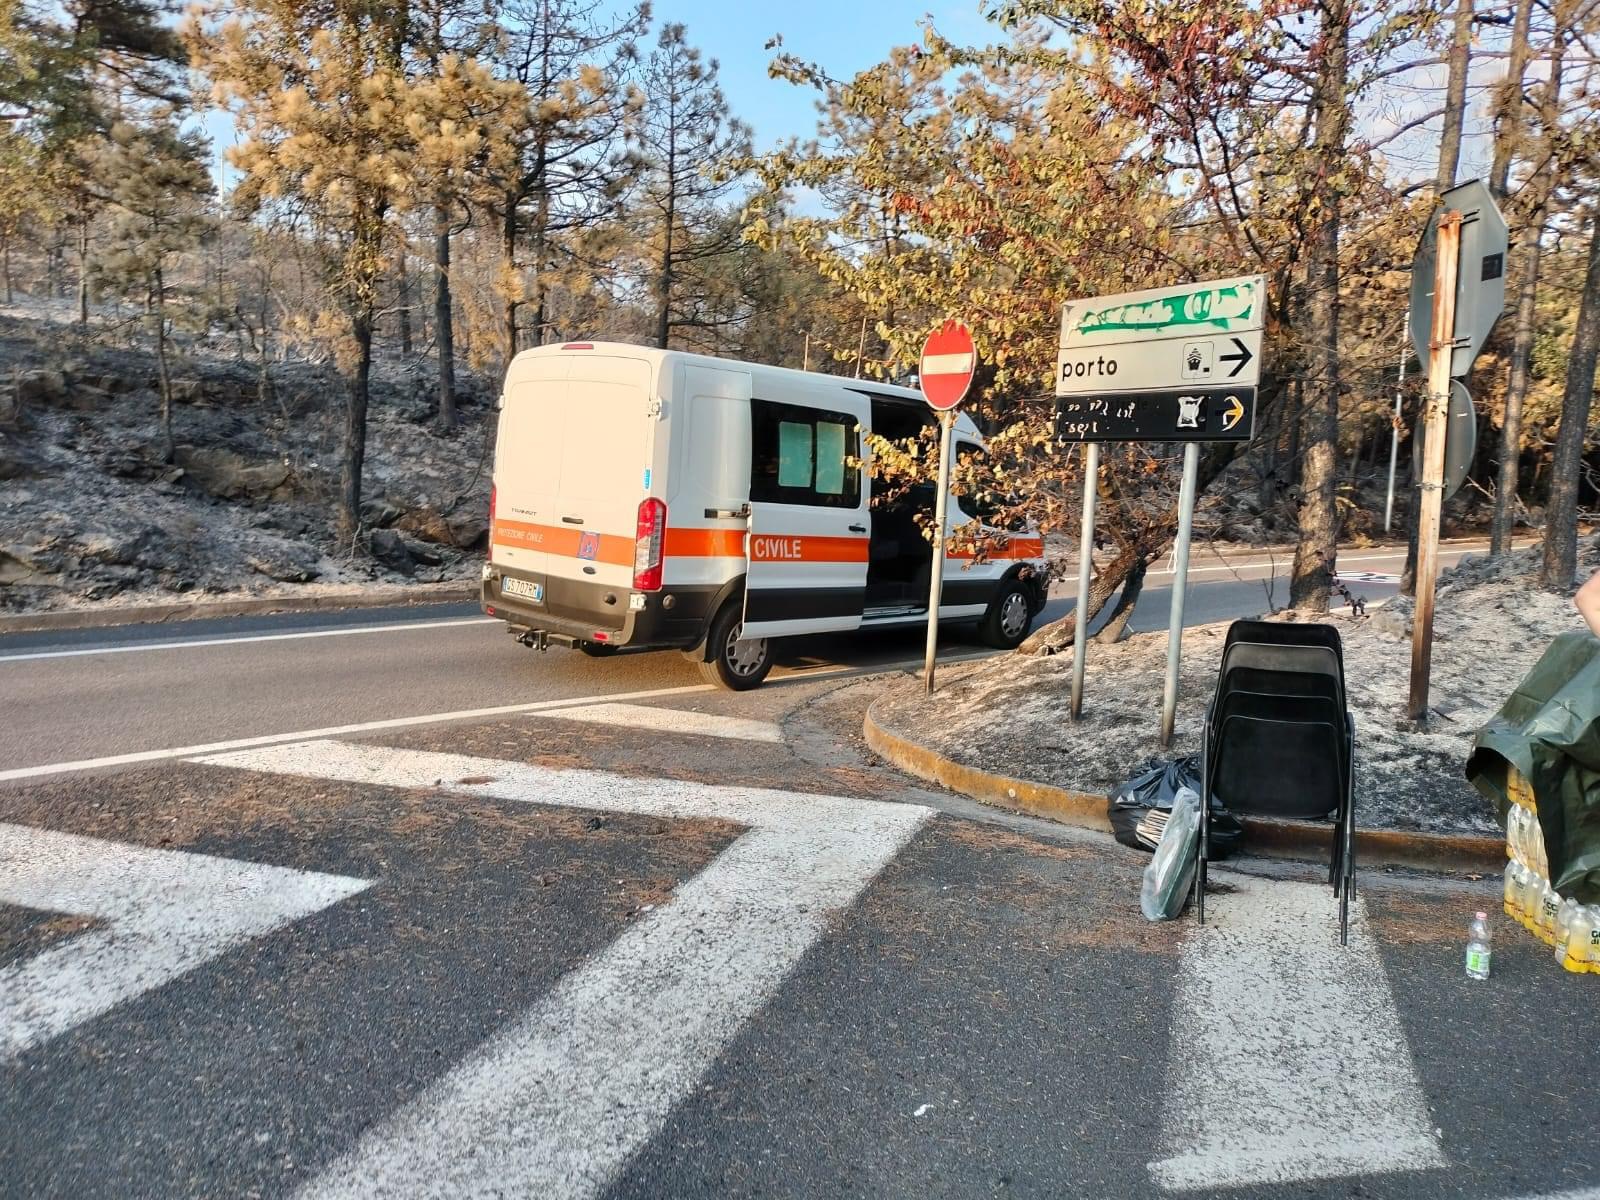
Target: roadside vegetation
pixel 401 194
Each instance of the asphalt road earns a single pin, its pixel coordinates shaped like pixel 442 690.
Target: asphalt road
pixel 703 946
pixel 88 695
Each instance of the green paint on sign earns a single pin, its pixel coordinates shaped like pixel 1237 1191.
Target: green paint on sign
pixel 1214 306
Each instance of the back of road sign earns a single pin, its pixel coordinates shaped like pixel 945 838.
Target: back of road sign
pixel 1480 281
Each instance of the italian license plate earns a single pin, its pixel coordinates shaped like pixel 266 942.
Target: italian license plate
pixel 525 588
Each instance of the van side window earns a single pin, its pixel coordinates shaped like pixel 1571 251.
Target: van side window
pixel 803 456
pixel 794 454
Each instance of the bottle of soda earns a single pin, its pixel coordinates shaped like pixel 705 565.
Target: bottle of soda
pixel 1478 949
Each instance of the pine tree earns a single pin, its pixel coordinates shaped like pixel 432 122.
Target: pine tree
pixel 320 96
pixel 689 141
pixel 157 185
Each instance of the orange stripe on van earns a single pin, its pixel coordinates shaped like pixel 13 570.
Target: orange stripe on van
pixel 704 543
pixel 778 547
pixel 564 541
pixel 1015 548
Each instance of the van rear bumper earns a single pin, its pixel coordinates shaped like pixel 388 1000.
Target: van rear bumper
pixel 573 612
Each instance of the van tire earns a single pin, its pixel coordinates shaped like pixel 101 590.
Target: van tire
pixel 1009 618
pixel 726 667
pixel 597 649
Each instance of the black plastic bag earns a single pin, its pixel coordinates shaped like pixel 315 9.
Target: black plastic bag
pixel 1139 808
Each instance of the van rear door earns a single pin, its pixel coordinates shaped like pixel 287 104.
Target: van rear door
pixel 809 525
pixel 571 467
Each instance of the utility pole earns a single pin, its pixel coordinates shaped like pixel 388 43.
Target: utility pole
pixel 1441 342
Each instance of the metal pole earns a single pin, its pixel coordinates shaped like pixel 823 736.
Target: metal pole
pixel 861 347
pixel 1180 580
pixel 1440 340
pixel 1394 432
pixel 805 361
pixel 947 423
pixel 1080 629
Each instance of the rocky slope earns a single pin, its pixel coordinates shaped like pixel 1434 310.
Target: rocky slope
pixel 90 514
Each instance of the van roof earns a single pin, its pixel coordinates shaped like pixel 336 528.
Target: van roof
pixel 656 355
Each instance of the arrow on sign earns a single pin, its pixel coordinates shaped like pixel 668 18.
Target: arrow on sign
pixel 1232 415
pixel 1242 357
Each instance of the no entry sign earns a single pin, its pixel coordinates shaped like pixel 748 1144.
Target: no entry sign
pixel 948 360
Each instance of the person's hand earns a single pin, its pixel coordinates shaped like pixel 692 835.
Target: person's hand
pixel 1587 602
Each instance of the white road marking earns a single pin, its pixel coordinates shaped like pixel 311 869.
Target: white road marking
pixel 164 911
pixel 274 739
pixel 669 720
pixel 1287 1059
pixel 138 647
pixel 560 1099
pixel 1578 1194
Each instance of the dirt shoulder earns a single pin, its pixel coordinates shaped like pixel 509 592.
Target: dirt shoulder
pixel 1008 715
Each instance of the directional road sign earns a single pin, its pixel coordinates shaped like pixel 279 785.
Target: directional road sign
pixel 1480 281
pixel 1167 364
pixel 948 361
pixel 1233 359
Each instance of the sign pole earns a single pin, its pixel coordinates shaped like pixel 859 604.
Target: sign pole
pixel 1180 580
pixel 1440 346
pixel 947 423
pixel 1080 627
pixel 1394 432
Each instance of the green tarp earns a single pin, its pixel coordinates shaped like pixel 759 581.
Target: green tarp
pixel 1549 730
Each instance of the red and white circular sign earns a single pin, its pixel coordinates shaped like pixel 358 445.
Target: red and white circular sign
pixel 948 361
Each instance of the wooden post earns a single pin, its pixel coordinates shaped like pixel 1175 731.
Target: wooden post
pixel 1436 415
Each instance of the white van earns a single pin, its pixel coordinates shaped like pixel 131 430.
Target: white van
pixel 649 497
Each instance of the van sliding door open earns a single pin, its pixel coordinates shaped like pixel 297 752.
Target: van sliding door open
pixel 809 522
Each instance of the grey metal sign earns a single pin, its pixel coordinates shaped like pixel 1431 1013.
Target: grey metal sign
pixel 1460 441
pixel 1480 283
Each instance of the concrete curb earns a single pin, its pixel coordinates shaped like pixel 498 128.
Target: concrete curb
pixel 195 610
pixel 1268 838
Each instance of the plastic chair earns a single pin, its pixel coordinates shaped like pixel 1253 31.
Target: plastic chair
pixel 1279 741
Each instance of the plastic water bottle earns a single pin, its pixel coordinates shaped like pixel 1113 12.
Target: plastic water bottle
pixel 1570 909
pixel 1549 909
pixel 1512 869
pixel 1478 950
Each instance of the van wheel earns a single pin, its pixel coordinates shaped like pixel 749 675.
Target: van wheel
pixel 735 663
pixel 597 649
pixel 1009 618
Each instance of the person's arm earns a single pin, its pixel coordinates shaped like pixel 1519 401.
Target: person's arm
pixel 1587 602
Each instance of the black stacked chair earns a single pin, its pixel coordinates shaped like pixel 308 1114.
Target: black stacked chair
pixel 1279 741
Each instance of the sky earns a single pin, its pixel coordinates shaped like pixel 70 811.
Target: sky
pixel 843 36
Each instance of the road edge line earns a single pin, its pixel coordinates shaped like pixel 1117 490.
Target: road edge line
pixel 1375 848
pixel 204 610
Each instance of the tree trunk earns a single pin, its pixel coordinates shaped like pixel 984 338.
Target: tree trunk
pixel 443 322
pixel 508 249
pixel 1505 499
pixel 1455 95
pixel 405 301
pixel 10 290
pixel 1117 624
pixel 83 276
pixel 1058 634
pixel 355 427
pixel 168 449
pixel 1561 517
pixel 1508 133
pixel 664 281
pixel 1318 547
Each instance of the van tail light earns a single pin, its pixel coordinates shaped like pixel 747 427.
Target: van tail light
pixel 651 533
pixel 492 491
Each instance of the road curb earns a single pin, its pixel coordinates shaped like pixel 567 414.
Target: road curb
pixel 1271 839
pixel 196 610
